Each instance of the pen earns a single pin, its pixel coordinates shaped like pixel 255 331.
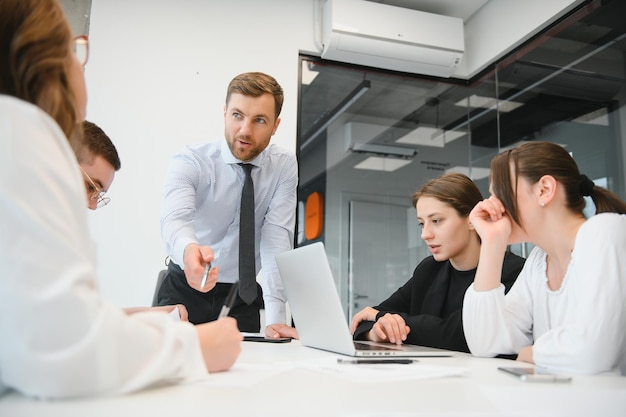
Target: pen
pixel 230 300
pixel 545 378
pixel 374 361
pixel 207 269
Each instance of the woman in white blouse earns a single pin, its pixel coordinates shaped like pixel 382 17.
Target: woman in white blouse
pixel 567 310
pixel 59 338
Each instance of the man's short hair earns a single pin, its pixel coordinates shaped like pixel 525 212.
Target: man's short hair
pixel 95 142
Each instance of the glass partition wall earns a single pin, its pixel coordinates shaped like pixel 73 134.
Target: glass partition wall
pixel 369 138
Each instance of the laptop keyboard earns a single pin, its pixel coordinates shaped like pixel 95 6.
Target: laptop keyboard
pixel 366 346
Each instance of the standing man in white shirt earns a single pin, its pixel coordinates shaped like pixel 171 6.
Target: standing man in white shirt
pixel 200 215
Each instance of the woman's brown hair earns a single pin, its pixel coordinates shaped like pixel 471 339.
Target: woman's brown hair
pixel 454 189
pixel 35 58
pixel 532 161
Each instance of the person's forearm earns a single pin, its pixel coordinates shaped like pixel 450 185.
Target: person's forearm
pixel 526 355
pixel 489 271
pixel 133 310
pixel 275 311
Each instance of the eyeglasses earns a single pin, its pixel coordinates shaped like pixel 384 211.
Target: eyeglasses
pixel 81 49
pixel 94 192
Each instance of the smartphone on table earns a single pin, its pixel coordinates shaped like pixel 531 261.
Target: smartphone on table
pixel 527 374
pixel 258 337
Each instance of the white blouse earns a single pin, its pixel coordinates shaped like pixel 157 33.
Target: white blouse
pixel 581 327
pixel 59 338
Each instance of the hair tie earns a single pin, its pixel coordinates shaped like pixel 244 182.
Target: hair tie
pixel 586 185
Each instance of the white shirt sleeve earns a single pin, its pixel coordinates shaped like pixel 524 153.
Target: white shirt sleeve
pixel 277 236
pixel 497 324
pixel 179 206
pixel 59 338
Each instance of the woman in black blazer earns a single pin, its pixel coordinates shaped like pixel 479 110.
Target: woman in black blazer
pixel 427 309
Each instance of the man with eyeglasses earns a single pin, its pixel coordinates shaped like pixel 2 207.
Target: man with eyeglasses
pixel 98 159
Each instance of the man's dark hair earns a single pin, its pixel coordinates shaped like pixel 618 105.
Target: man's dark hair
pixel 95 143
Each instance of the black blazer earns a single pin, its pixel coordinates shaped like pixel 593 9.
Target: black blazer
pixel 422 299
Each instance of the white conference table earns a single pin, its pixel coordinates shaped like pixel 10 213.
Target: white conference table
pixel 293 380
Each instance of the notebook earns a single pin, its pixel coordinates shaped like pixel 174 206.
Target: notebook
pixel 317 311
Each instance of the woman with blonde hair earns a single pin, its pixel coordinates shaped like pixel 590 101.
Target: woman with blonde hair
pixel 426 310
pixel 567 310
pixel 59 338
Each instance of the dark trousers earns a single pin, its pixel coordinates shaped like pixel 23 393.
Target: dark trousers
pixel 204 307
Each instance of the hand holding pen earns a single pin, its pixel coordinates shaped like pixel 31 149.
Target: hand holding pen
pixel 200 268
pixel 209 277
pixel 205 275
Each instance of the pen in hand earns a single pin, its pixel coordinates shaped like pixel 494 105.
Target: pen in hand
pixel 230 301
pixel 205 275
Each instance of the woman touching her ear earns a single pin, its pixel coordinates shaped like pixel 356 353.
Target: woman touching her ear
pixel 567 310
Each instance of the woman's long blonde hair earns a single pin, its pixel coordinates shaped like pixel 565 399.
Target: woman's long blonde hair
pixel 35 58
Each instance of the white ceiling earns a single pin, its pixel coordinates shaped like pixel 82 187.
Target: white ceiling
pixel 490 32
pixel 463 9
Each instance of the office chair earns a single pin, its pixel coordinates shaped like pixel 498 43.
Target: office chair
pixel 160 279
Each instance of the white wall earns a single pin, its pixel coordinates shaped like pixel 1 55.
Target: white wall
pixel 156 78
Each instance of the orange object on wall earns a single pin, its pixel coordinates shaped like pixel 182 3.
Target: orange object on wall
pixel 313 216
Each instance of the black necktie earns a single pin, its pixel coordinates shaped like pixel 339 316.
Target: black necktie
pixel 247 270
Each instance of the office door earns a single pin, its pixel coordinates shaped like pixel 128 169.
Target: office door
pixel 383 251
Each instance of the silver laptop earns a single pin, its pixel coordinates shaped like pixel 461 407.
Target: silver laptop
pixel 317 310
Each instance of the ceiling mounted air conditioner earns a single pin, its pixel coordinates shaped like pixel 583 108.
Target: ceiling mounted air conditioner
pixel 395 38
